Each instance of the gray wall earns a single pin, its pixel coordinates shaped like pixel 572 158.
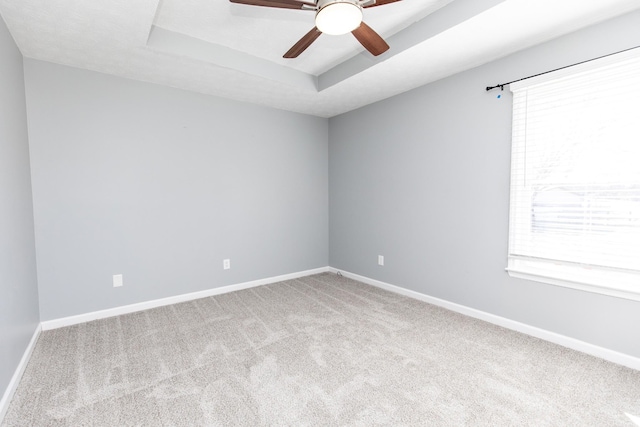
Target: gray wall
pixel 18 283
pixel 423 179
pixel 161 185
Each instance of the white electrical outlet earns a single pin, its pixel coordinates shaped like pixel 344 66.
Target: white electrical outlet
pixel 226 264
pixel 117 280
pixel 380 260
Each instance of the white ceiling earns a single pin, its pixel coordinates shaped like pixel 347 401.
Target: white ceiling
pixel 235 51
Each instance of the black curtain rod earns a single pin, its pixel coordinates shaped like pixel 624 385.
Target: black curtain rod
pixel 502 85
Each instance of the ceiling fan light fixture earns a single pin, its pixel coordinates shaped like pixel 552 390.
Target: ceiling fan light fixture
pixel 337 17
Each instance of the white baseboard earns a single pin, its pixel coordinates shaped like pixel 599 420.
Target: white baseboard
pixel 17 375
pixel 125 309
pixel 572 343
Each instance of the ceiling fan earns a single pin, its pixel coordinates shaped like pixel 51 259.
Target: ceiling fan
pixel 333 17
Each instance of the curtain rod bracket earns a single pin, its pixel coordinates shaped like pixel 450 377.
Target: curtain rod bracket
pixel 496 86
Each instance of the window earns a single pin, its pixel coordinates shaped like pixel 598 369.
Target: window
pixel 575 177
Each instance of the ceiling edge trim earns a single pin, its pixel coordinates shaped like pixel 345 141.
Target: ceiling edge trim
pixel 185 46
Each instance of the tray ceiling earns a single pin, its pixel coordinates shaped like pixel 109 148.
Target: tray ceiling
pixel 235 51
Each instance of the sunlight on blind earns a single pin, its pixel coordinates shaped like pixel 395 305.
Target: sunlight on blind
pixel 575 196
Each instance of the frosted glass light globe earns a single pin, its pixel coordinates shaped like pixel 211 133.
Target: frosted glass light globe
pixel 339 18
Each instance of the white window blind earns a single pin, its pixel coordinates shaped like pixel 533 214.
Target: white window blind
pixel 575 177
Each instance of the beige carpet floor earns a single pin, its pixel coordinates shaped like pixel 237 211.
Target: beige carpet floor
pixel 318 351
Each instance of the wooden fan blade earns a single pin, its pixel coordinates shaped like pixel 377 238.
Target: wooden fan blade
pixel 303 43
pixel 284 4
pixel 370 39
pixel 381 3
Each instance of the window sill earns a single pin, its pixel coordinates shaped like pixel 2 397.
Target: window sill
pixel 627 284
